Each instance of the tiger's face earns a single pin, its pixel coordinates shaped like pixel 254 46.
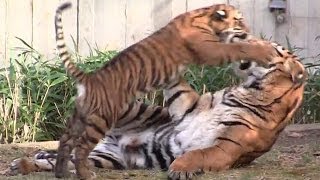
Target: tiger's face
pixel 286 69
pixel 279 86
pixel 290 64
pixel 223 17
pixel 221 20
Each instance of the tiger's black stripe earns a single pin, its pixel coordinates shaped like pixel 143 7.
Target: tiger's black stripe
pixel 148 160
pixel 52 165
pixel 155 74
pixel 131 105
pixel 235 103
pixel 97 129
pixel 91 139
pixel 175 96
pixel 114 162
pixel 97 163
pixel 168 148
pixel 230 140
pixel 154 46
pixel 189 110
pixel 157 152
pixel 166 131
pixel 142 109
pixel 245 120
pixel 234 123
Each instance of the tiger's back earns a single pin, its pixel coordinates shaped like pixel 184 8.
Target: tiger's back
pixel 158 60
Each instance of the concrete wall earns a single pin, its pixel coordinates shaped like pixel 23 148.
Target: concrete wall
pixel 116 24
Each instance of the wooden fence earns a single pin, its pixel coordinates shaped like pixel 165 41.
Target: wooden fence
pixel 116 24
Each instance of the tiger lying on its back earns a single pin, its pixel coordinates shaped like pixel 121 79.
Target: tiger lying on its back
pixel 210 132
pixel 195 37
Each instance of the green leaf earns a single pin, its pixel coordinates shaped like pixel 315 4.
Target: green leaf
pixel 58 80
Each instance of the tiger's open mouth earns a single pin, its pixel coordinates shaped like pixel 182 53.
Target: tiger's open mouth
pixel 236 37
pixel 244 65
pixel 233 35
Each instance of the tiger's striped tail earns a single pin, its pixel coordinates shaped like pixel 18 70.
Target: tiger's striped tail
pixel 64 54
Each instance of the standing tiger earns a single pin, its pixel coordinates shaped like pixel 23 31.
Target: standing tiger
pixel 210 132
pixel 195 37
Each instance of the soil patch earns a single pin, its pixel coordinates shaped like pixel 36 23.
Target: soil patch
pixel 296 155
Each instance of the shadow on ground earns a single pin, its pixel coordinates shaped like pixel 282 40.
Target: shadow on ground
pixel 296 155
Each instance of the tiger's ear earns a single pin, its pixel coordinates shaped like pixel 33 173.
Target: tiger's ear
pixel 298 75
pixel 220 15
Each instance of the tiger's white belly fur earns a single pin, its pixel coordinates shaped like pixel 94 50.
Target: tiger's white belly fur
pixel 198 129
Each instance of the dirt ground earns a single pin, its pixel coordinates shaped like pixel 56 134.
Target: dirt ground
pixel 296 155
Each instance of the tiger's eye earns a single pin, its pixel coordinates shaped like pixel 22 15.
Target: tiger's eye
pixel 220 15
pixel 271 65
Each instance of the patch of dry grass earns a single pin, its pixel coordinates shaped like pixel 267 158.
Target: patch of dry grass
pixel 289 159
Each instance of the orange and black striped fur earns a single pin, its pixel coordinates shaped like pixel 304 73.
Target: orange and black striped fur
pixel 245 120
pixel 214 131
pixel 195 37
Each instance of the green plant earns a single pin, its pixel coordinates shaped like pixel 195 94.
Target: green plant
pixel 32 95
pixel 36 96
pixel 210 79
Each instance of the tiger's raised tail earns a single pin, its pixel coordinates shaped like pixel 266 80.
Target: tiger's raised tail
pixel 64 54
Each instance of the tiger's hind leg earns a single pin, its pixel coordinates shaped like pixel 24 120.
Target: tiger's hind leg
pixel 93 132
pixel 219 157
pixel 66 145
pixel 74 129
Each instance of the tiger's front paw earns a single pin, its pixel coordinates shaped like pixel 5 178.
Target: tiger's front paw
pixel 14 168
pixel 175 175
pixel 266 50
pixel 86 174
pixel 92 176
pixel 22 166
pixel 61 173
pixel 180 170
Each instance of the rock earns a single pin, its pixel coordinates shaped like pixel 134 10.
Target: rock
pixel 294 134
